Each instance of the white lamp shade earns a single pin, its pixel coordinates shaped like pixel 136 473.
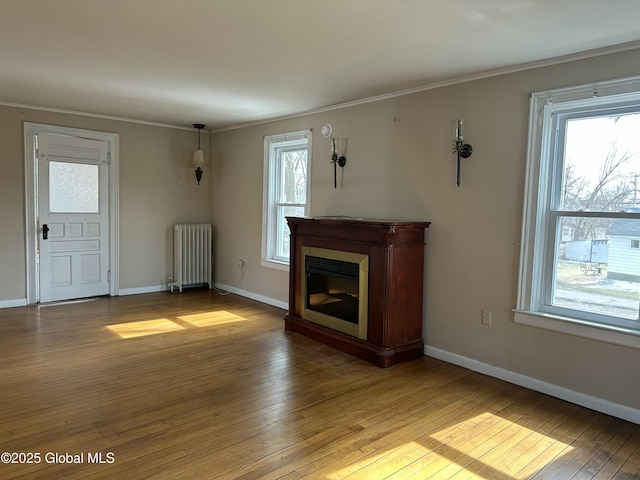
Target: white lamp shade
pixel 198 159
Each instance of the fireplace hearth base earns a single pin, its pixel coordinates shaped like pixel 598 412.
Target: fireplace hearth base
pixel 381 356
pixel 395 252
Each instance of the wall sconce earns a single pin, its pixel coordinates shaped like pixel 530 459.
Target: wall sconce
pixel 463 150
pixel 338 152
pixel 198 156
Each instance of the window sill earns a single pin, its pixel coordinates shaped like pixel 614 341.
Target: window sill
pixel 579 328
pixel 284 266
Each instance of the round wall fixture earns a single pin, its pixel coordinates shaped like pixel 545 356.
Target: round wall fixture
pixel 326 130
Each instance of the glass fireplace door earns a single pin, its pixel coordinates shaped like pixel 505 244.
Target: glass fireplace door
pixel 335 289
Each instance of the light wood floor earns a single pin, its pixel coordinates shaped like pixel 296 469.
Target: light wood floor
pixel 198 385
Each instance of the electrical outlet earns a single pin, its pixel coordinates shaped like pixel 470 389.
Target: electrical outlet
pixel 240 263
pixel 486 317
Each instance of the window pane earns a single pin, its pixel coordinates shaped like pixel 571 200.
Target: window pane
pixel 601 163
pixel 293 169
pixel 597 266
pixel 287 164
pixel 283 232
pixel 73 188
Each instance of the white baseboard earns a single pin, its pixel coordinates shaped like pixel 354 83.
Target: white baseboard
pixel 588 401
pixel 20 302
pixel 220 286
pixel 139 290
pixel 253 296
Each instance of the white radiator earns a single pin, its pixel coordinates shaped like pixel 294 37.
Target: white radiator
pixel 192 255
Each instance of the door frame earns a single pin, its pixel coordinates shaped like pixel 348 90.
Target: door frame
pixel 31 130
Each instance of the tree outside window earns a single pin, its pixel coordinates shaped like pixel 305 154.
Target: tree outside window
pixel 580 261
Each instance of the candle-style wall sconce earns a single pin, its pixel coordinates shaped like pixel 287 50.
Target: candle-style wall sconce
pixel 461 149
pixel 338 152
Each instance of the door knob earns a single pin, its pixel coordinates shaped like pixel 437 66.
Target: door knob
pixel 45 231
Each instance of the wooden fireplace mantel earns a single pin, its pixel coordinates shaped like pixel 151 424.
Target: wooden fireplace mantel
pixel 396 272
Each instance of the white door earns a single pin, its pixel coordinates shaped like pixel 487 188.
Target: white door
pixel 73 217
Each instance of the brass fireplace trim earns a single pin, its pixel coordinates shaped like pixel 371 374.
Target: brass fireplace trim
pixel 359 330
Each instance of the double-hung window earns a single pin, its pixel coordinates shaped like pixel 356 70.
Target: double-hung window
pixel 580 261
pixel 287 167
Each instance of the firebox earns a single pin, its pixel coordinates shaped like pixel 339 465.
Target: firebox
pixel 335 289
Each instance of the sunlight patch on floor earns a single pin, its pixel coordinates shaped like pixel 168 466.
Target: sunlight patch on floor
pixel 476 447
pixel 145 327
pixel 479 444
pixel 165 325
pixel 207 319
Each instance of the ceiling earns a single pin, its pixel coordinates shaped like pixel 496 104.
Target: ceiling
pixel 231 62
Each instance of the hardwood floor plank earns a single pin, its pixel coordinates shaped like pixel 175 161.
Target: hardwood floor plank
pixel 556 441
pixel 606 452
pixel 466 458
pixel 630 469
pixel 313 425
pixel 202 386
pixel 579 451
pixel 378 435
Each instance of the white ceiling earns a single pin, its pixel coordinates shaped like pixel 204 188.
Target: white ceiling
pixel 230 62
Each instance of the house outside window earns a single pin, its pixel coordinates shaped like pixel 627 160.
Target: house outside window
pixel 582 213
pixel 287 168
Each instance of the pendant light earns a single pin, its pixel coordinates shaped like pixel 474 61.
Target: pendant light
pixel 198 156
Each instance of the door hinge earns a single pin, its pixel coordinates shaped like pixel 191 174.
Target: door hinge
pixel 108 276
pixel 108 158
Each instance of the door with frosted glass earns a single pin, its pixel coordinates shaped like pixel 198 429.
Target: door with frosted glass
pixel 73 217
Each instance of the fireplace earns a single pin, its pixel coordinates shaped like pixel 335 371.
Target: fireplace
pixel 335 289
pixel 357 285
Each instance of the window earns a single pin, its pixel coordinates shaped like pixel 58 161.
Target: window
pixel 582 213
pixel 73 187
pixel 287 167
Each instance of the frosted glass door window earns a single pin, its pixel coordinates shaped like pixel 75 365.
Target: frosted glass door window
pixel 73 188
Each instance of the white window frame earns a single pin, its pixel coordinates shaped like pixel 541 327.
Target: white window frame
pixel 271 187
pixel 537 246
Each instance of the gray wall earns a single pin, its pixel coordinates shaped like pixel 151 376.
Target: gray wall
pixel 157 189
pixel 400 166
